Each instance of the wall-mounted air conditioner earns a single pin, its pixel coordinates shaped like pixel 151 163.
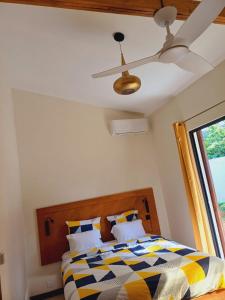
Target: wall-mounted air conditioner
pixel 129 126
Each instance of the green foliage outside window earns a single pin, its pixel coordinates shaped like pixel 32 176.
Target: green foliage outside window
pixel 222 209
pixel 214 139
pixel 222 206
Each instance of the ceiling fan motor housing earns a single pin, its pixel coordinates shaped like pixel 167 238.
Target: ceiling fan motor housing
pixel 173 54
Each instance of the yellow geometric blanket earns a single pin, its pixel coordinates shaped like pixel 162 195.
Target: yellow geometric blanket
pixel 148 268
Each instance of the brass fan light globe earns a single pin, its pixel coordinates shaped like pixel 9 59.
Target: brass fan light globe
pixel 127 84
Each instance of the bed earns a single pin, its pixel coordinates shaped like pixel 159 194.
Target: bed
pixel 148 268
pixel 151 267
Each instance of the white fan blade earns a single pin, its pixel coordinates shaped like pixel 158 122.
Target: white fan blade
pixel 128 66
pixel 205 13
pixel 194 63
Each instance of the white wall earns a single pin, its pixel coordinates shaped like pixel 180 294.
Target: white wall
pixel 170 174
pixel 66 154
pixel 205 93
pixel 12 273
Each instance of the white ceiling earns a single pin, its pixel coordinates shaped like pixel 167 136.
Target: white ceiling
pixel 54 52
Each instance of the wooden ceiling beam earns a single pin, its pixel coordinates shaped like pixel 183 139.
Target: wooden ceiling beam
pixel 144 8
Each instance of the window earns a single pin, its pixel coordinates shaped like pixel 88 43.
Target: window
pixel 208 144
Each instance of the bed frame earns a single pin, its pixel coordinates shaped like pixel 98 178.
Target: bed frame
pixel 52 229
pixel 217 295
pixel 51 220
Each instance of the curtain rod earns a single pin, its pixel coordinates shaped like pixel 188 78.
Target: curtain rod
pixel 202 112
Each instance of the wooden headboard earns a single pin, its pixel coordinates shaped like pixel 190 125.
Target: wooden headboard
pixel 53 231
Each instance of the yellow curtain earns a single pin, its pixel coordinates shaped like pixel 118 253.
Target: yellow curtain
pixel 202 232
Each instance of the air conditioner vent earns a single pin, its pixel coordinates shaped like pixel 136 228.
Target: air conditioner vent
pixel 129 126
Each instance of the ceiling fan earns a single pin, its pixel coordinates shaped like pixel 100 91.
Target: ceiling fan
pixel 176 47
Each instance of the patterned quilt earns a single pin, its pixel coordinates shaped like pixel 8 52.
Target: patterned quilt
pixel 148 268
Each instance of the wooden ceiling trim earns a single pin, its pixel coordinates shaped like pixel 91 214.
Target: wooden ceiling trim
pixel 145 8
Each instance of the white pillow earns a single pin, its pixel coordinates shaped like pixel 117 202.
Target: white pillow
pixel 84 240
pixel 128 231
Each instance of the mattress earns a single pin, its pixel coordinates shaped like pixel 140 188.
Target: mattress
pixel 148 268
